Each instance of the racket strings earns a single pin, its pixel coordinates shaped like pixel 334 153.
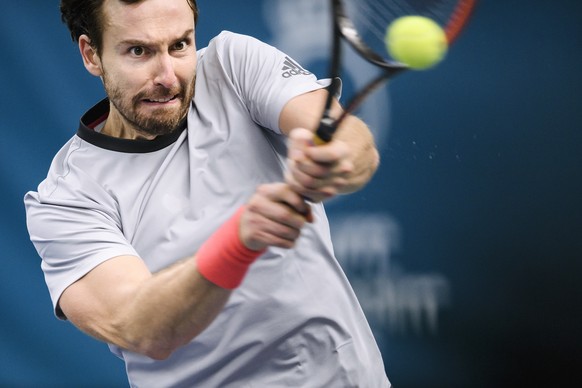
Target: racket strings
pixel 372 17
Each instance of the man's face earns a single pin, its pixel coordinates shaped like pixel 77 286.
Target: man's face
pixel 148 64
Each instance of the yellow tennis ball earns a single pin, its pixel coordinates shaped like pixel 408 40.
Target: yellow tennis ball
pixel 416 41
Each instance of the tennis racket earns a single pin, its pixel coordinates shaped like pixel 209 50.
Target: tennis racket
pixel 362 24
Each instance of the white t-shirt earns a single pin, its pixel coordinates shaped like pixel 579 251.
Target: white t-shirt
pixel 295 321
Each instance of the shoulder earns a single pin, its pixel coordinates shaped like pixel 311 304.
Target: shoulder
pixel 229 44
pixel 72 177
pixel 227 39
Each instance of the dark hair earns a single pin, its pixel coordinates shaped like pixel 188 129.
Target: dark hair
pixel 86 17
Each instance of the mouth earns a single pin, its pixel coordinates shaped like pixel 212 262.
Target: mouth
pixel 162 100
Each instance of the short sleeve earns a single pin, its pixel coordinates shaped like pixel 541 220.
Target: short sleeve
pixel 74 228
pixel 264 77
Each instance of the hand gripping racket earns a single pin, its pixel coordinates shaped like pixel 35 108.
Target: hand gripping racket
pixel 362 24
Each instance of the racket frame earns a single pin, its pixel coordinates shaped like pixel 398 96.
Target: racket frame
pixel 344 28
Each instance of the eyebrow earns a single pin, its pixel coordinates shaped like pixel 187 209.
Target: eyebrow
pixel 138 42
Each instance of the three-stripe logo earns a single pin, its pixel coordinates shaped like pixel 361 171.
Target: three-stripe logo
pixel 291 68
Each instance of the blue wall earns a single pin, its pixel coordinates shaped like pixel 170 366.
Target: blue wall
pixel 472 227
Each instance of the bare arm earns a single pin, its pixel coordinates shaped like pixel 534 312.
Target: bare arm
pixel 344 165
pixel 122 303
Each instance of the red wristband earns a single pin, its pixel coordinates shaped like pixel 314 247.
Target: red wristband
pixel 223 259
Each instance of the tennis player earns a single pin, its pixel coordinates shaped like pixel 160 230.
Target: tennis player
pixel 173 226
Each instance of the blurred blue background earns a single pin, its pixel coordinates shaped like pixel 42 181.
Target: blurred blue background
pixel 465 250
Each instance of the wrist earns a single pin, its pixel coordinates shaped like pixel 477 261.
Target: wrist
pixel 224 259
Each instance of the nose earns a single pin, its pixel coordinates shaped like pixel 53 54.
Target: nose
pixel 165 74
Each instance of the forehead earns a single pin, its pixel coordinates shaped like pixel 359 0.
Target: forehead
pixel 148 20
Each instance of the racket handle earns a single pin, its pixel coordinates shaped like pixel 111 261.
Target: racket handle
pixel 324 133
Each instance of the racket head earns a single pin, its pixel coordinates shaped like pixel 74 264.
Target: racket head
pixel 363 23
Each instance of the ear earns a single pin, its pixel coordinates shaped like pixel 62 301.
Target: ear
pixel 90 57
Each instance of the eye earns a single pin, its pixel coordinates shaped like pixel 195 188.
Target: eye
pixel 137 51
pixel 181 45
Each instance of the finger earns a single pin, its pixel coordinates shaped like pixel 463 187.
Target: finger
pixel 330 153
pixel 308 167
pixel 261 231
pixel 281 203
pixel 316 196
pixel 327 183
pixel 299 140
pixel 274 240
pixel 263 225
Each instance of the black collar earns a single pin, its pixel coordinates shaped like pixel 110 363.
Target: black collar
pixel 98 113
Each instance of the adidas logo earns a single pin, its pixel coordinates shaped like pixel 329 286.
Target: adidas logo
pixel 291 68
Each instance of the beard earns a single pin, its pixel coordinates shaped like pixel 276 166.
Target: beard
pixel 160 122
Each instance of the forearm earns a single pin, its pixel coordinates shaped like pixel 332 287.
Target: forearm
pixel 169 309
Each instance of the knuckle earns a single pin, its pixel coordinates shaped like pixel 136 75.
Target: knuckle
pixel 252 205
pixel 310 182
pixel 263 189
pixel 347 167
